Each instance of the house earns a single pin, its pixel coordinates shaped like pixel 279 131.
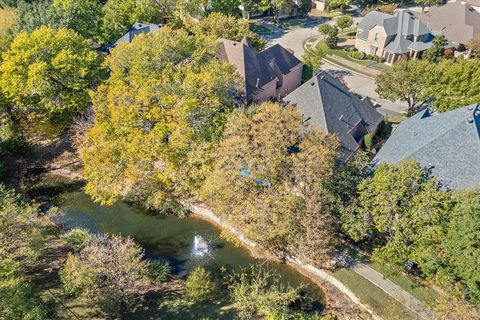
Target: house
pixel 393 37
pixel 327 104
pixel 135 30
pixel 459 21
pixel 269 74
pixel 447 143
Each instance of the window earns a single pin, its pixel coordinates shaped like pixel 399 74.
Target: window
pixel 373 50
pixel 376 36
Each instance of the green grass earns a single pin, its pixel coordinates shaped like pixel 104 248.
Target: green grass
pixel 345 55
pixel 331 14
pixel 258 28
pixel 379 302
pixel 397 119
pixel 422 293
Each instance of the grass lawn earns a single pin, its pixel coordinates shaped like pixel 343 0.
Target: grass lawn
pixel 381 303
pixel 331 14
pixel 422 293
pixel 258 28
pixel 344 54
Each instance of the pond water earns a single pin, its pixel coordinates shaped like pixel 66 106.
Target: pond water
pixel 168 237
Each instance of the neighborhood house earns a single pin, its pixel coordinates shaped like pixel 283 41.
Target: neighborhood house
pixel 327 104
pixel 269 74
pixel 393 37
pixel 447 143
pixel 458 21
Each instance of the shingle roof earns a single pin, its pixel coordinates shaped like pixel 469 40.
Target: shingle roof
pixel 326 103
pixel 458 21
pixel 135 30
pixel 257 69
pixel 449 143
pixel 402 25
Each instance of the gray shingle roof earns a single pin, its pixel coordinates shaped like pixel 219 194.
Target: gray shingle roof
pixel 458 21
pixel 403 25
pixel 448 142
pixel 260 68
pixel 135 30
pixel 327 104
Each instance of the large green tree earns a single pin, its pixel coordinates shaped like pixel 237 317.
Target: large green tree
pixel 268 179
pixel 45 76
pixel 406 81
pixel 120 15
pixel 158 118
pixel 218 25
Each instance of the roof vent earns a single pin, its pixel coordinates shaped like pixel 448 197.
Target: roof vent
pixel 312 83
pixel 258 82
pixel 470 107
pixel 341 117
pixel 470 119
pixel 477 113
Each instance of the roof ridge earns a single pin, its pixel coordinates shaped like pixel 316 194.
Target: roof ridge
pixel 453 126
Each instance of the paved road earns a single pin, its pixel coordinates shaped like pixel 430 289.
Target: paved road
pixel 365 86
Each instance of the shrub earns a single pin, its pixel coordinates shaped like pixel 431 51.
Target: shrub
pixel 367 140
pixel 77 238
pixel 199 286
pixel 357 55
pixel 370 56
pixel 344 22
pixel 159 271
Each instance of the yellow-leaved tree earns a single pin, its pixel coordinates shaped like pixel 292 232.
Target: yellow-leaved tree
pixel 269 180
pixel 157 118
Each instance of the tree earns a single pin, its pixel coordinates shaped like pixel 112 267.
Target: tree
pixel 342 4
pixel 258 293
pixel 33 15
pixel 280 5
pixel 344 22
pixel 461 244
pixel 120 15
pixel 312 58
pixel 268 180
pixel 199 286
pixel 46 76
pixel 437 51
pixel 110 271
pixel 426 3
pixel 218 25
pixel 331 33
pixel 158 118
pixel 83 16
pixel 454 84
pixel 474 46
pixel 22 244
pixel 406 81
pixel 228 7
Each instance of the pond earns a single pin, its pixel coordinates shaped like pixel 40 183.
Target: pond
pixel 169 237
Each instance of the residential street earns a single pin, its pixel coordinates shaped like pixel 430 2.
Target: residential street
pixel 295 39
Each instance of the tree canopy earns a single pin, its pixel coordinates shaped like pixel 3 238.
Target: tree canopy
pixel 268 179
pixel 157 117
pixel 45 76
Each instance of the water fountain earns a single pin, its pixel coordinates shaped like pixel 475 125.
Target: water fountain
pixel 201 247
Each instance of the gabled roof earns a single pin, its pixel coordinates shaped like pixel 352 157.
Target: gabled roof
pixel 458 21
pixel 402 24
pixel 327 104
pixel 448 143
pixel 257 69
pixel 135 30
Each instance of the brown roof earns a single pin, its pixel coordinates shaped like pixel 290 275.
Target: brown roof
pixel 257 69
pixel 458 21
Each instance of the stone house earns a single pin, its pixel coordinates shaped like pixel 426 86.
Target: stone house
pixel 393 37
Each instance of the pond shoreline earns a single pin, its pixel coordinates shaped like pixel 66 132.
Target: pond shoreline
pixel 322 278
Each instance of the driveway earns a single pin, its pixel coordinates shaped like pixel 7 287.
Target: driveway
pixel 295 39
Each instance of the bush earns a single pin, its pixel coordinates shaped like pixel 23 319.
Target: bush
pixel 159 271
pixel 77 238
pixel 357 55
pixel 344 22
pixel 370 56
pixel 367 140
pixel 199 286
